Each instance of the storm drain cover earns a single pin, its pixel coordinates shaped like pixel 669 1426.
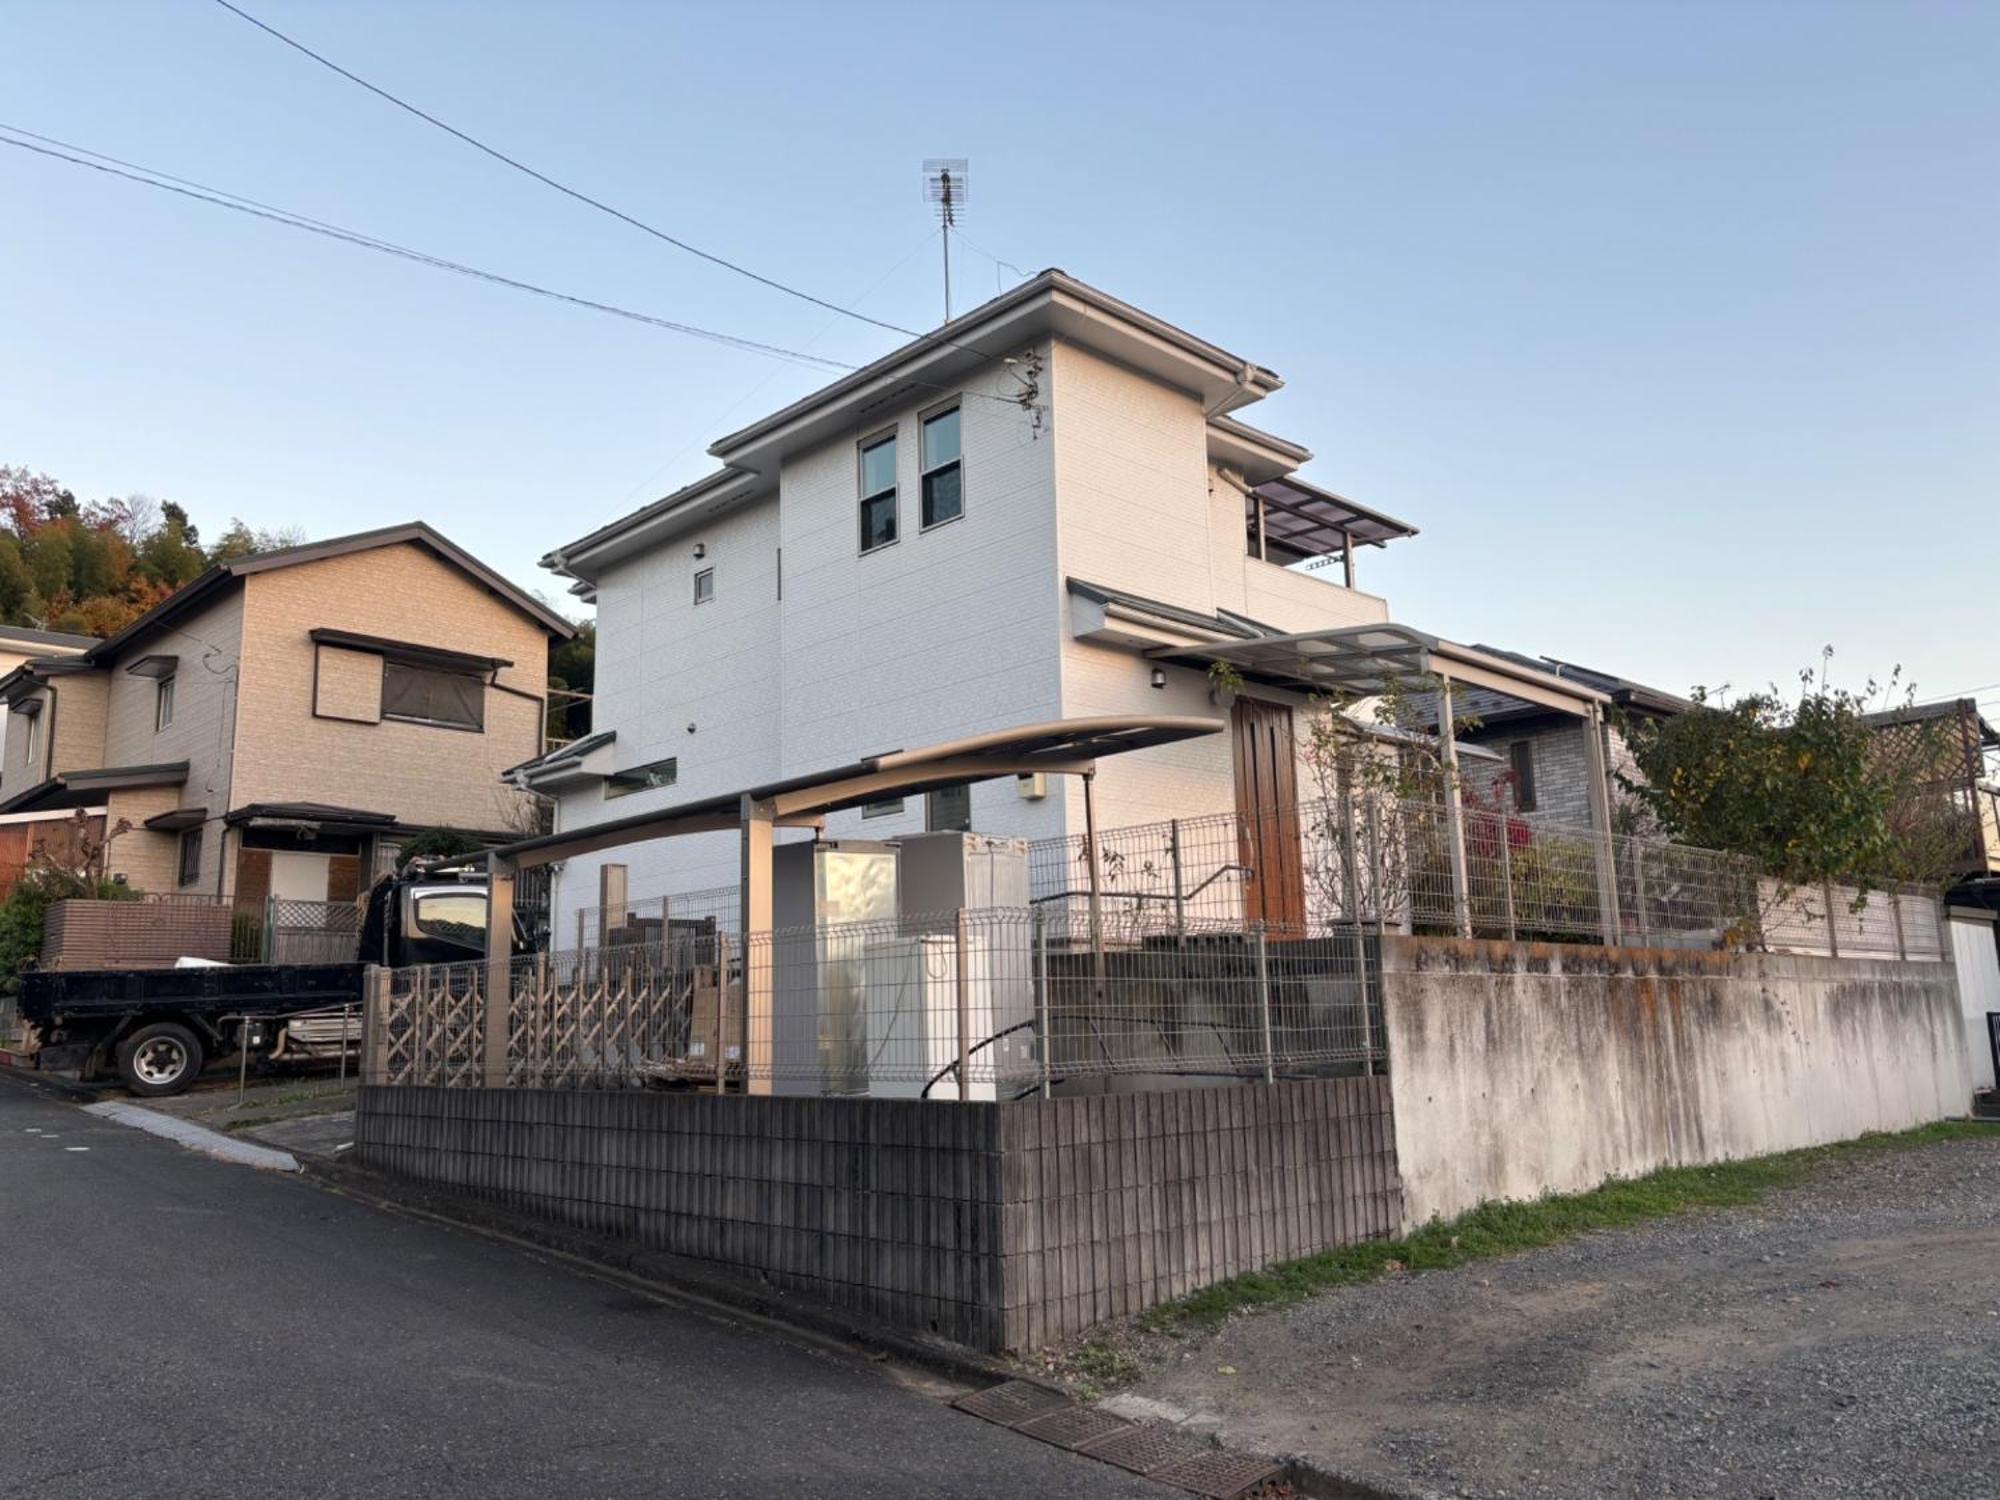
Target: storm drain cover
pixel 1076 1427
pixel 1217 1475
pixel 1144 1450
pixel 1012 1403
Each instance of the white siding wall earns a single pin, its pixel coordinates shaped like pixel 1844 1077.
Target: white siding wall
pixel 1143 511
pixel 944 633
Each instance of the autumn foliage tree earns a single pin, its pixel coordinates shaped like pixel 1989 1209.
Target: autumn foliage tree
pixel 91 568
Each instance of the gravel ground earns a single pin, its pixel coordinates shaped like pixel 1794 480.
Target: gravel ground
pixel 1842 1338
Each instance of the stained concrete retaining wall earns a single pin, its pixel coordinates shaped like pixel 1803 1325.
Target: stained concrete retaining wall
pixel 1000 1225
pixel 1523 1069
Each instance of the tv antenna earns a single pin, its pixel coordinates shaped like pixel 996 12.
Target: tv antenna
pixel 945 186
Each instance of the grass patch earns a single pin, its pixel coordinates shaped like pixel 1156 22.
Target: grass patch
pixel 1101 1365
pixel 1504 1228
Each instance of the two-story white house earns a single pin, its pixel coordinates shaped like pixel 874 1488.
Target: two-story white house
pixel 991 526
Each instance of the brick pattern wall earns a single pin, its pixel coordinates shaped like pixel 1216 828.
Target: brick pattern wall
pixel 885 1207
pixel 1001 1226
pixel 1116 1203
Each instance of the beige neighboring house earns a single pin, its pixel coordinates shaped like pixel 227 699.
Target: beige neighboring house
pixel 282 724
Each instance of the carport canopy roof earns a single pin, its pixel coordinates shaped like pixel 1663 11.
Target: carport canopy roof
pixel 1363 661
pixel 1056 747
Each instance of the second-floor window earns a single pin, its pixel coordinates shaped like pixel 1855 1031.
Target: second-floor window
pixel 704 586
pixel 944 478
pixel 430 695
pixel 31 742
pixel 1521 763
pixel 163 704
pixel 878 492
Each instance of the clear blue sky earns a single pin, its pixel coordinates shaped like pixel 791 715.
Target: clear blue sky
pixel 1674 326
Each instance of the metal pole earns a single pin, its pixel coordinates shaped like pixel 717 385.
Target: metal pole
pixel 1507 874
pixel 1264 1004
pixel 1180 907
pixel 1096 883
pixel 1454 811
pixel 1639 892
pixel 1609 922
pixel 962 982
pixel 346 1025
pixel 1042 995
pixel 242 1058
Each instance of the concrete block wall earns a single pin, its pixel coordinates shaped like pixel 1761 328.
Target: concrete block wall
pixel 889 1208
pixel 1001 1226
pixel 1115 1203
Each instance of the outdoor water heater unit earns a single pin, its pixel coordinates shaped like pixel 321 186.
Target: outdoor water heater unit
pixel 819 999
pixel 959 893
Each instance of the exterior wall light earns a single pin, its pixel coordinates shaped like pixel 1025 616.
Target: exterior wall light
pixel 1159 677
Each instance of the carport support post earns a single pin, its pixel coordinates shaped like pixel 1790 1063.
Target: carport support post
pixel 759 823
pixel 1096 883
pixel 1609 922
pixel 499 967
pixel 1454 809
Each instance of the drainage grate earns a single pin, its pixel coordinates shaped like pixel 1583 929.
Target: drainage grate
pixel 1012 1403
pixel 1145 1450
pixel 1217 1475
pixel 1075 1427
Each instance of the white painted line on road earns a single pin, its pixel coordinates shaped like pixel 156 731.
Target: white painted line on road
pixel 76 1148
pixel 195 1137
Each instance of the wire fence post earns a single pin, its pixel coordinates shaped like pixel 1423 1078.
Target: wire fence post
pixel 1042 996
pixel 1639 892
pixel 242 1059
pixel 962 982
pixel 1264 1003
pixel 1507 875
pixel 346 1029
pixel 1180 901
pixel 1096 883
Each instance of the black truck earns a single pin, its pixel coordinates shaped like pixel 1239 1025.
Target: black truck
pixel 157 1028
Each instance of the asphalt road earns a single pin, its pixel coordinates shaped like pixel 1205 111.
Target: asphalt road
pixel 172 1326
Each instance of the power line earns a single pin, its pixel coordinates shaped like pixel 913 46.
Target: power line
pixel 183 187
pixel 582 197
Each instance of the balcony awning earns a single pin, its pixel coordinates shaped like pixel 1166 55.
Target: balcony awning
pixel 70 789
pixel 1313 522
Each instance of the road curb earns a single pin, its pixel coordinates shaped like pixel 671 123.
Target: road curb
pixel 65 1088
pixel 674 1276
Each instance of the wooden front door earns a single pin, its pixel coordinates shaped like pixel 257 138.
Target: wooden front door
pixel 1267 813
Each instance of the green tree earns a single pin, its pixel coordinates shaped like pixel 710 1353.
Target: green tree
pixel 572 669
pixel 1800 786
pixel 51 560
pixel 170 555
pixel 17 584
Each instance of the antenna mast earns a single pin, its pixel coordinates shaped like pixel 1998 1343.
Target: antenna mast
pixel 945 185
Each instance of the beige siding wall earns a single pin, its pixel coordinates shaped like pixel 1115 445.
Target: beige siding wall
pixel 149 861
pixel 349 685
pixel 421 774
pixel 76 740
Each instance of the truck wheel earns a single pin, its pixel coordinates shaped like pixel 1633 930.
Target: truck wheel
pixel 159 1059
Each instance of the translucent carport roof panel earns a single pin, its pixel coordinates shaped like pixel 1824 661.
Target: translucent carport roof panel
pixel 1361 659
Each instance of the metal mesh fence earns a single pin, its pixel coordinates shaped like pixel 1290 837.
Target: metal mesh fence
pixel 974 1005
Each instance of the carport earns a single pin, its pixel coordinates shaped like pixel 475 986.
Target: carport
pixel 1363 661
pixel 1061 747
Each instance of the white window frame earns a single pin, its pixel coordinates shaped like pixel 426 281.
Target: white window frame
pixel 181 875
pixel 34 744
pixel 862 449
pixel 163 703
pixel 704 576
pixel 669 764
pixel 926 469
pixel 887 807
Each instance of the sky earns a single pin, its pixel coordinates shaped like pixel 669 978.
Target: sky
pixel 1672 326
